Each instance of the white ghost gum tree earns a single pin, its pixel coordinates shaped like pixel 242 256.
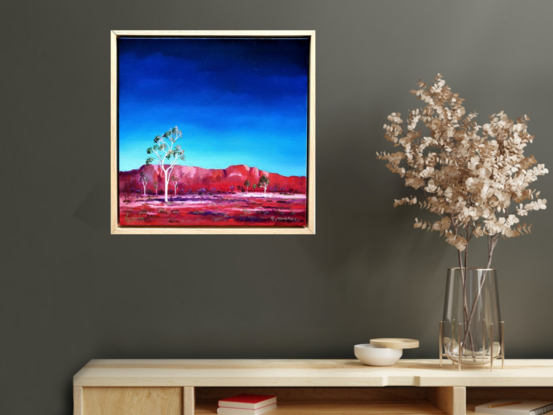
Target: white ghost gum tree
pixel 167 153
pixel 144 181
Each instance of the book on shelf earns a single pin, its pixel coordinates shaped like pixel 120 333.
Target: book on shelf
pixel 247 404
pixel 515 407
pixel 247 401
pixel 242 411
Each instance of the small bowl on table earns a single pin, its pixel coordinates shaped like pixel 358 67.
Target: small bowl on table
pixel 377 356
pixel 383 352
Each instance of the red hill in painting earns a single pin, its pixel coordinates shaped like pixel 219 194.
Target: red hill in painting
pixel 197 178
pixel 212 198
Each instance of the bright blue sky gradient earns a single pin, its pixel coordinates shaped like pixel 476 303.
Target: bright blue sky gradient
pixel 236 101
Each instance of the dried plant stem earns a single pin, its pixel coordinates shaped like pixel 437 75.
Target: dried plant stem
pixel 468 338
pixel 492 242
pixel 463 268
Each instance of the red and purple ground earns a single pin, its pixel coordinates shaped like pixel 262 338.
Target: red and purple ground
pixel 214 210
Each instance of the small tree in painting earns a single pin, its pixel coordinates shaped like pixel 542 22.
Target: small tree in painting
pixel 264 183
pixel 168 153
pixel 247 185
pixel 254 187
pixel 143 181
pixel 156 185
pixel 175 182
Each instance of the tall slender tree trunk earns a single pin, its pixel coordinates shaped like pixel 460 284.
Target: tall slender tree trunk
pixel 166 189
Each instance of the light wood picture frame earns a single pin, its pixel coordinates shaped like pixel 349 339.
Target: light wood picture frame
pixel 161 198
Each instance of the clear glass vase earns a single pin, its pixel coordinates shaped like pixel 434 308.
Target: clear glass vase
pixel 471 330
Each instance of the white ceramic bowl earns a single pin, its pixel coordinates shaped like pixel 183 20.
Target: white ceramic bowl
pixel 376 356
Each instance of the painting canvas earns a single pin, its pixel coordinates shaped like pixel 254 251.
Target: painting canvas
pixel 213 133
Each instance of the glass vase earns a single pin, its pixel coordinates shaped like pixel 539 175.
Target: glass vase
pixel 471 332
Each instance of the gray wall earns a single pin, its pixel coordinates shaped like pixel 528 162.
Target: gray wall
pixel 70 292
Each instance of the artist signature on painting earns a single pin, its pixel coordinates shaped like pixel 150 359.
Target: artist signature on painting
pixel 137 219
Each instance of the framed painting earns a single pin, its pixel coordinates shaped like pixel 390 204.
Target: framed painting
pixel 213 132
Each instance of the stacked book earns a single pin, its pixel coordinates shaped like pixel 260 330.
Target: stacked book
pixel 247 404
pixel 515 407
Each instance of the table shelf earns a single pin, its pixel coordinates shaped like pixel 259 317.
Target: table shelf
pixel 302 387
pixel 337 408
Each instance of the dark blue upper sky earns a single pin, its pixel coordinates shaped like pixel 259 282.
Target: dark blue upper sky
pixel 237 101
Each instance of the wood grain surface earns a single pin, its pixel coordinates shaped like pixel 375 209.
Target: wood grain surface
pixel 450 400
pixel 132 401
pixel 305 373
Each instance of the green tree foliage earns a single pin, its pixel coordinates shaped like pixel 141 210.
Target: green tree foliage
pixel 264 183
pixel 167 153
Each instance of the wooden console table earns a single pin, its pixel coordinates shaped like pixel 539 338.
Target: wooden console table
pixel 320 387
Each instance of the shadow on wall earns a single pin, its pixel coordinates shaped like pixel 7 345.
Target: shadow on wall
pixel 94 210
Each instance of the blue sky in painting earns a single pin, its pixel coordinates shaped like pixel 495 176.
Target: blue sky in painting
pixel 237 101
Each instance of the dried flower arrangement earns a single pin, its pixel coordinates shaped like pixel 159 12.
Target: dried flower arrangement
pixel 475 178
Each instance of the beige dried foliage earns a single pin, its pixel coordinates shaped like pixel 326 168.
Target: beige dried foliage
pixel 475 178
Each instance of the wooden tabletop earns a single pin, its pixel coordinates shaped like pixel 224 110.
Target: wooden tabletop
pixel 317 373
